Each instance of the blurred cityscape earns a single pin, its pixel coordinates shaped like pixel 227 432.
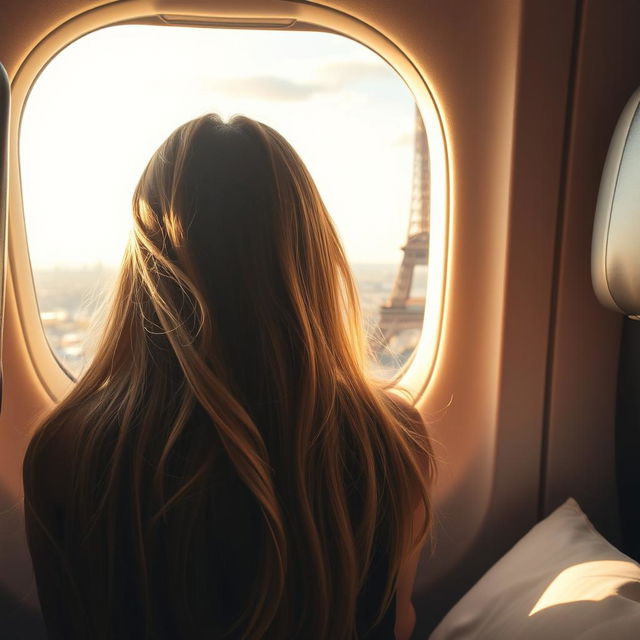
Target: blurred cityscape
pixel 71 300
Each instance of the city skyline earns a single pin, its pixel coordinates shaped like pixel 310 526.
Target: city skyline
pixel 71 301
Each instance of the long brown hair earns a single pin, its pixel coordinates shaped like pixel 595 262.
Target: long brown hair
pixel 232 363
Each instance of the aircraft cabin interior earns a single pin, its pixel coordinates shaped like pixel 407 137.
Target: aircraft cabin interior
pixel 481 161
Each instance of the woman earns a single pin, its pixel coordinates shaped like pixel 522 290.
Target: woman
pixel 224 468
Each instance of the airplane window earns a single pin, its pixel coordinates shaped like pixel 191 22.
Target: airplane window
pixel 103 105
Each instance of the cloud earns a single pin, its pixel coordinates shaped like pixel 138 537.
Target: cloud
pixel 331 77
pixel 270 88
pixel 407 137
pixel 341 75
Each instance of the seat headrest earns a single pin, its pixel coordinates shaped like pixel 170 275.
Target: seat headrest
pixel 615 252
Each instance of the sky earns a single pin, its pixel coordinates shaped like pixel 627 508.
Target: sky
pixel 103 105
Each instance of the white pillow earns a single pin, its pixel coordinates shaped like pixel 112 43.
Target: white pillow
pixel 563 580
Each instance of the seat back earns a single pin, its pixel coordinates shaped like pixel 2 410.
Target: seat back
pixel 615 270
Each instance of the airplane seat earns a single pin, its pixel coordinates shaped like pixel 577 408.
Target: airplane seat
pixel 615 271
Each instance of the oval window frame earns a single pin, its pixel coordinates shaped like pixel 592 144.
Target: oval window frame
pixel 416 373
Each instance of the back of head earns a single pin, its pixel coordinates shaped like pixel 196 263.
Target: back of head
pixel 230 213
pixel 229 391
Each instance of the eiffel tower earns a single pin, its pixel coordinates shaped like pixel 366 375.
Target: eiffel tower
pixel 402 312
